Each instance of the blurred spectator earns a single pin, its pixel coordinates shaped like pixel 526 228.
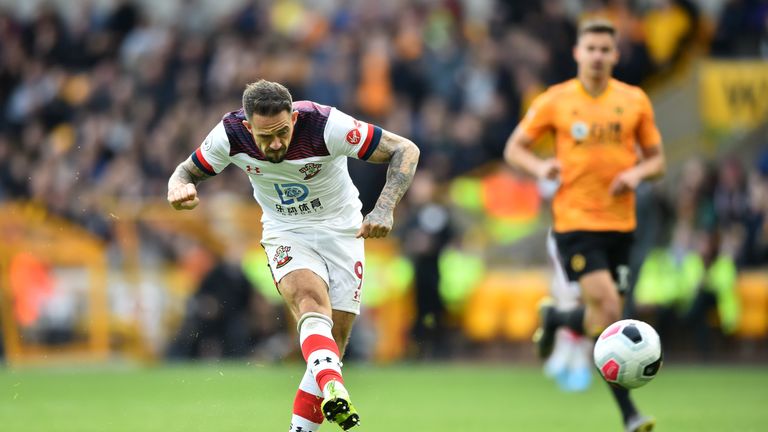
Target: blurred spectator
pixel 654 216
pixel 712 277
pixel 694 207
pixel 742 26
pixel 225 317
pixel 719 224
pixel 754 251
pixel 424 236
pixel 731 204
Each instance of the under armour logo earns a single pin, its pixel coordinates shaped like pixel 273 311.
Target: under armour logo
pixel 327 360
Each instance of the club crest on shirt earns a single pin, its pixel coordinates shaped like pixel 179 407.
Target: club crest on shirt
pixel 353 137
pixel 281 256
pixel 310 170
pixel 579 130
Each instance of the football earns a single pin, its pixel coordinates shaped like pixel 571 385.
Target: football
pixel 628 353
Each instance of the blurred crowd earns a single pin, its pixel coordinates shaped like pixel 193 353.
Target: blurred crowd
pixel 99 104
pixel 694 238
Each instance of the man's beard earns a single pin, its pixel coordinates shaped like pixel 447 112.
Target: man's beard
pixel 275 157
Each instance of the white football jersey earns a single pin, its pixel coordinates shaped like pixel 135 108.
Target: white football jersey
pixel 311 186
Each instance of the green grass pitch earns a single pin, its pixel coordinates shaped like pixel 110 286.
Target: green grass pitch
pixel 421 398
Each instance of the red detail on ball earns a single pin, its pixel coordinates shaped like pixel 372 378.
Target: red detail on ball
pixel 611 331
pixel 353 137
pixel 610 370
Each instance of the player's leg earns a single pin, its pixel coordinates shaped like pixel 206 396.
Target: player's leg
pixel 342 328
pixel 598 261
pixel 602 291
pixel 336 405
pixel 303 280
pixel 307 415
pixel 619 246
pixel 603 306
pixel 569 362
pixel 307 405
pixel 306 295
pixel 344 257
pixel 573 254
pixel 585 258
pixel 602 302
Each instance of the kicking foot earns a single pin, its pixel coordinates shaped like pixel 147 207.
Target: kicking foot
pixel 640 423
pixel 337 407
pixel 544 337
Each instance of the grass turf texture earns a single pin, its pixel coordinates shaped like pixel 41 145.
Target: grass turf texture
pixel 424 398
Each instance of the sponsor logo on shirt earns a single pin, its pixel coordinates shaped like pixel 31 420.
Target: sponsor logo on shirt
pixel 353 137
pixel 291 193
pixel 253 170
pixel 579 130
pixel 304 208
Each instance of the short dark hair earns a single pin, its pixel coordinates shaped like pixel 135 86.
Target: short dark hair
pixel 597 26
pixel 266 98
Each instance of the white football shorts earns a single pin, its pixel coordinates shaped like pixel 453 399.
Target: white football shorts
pixel 338 259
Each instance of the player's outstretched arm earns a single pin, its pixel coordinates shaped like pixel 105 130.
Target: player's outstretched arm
pixel 402 156
pixel 517 154
pixel 182 190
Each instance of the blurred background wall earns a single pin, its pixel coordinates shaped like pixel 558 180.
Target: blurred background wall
pixel 101 99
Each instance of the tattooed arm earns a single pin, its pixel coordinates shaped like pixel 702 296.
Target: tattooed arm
pixel 402 156
pixel 182 193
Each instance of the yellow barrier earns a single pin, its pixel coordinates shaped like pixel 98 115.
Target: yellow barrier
pixel 502 305
pixel 752 290
pixel 505 304
pixel 35 242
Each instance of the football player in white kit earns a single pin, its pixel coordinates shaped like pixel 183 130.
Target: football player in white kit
pixel 571 359
pixel 295 155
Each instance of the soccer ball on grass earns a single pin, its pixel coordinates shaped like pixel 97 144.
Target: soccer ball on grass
pixel 628 353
